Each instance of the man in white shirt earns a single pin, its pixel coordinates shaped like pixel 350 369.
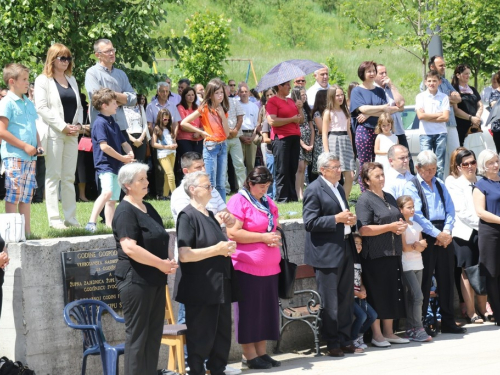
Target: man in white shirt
pixel 249 126
pixel 398 174
pixel 322 76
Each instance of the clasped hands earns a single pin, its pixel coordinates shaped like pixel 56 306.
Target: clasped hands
pixel 398 227
pixel 168 266
pixel 271 239
pixel 443 239
pixel 346 217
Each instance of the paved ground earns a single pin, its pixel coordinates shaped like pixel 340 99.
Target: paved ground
pixel 477 352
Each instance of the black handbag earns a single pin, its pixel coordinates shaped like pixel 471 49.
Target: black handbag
pixel 8 367
pixel 286 279
pixel 476 280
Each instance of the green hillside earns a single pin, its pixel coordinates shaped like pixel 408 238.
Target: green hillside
pixel 260 33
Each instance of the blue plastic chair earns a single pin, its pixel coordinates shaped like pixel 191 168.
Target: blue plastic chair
pixel 88 313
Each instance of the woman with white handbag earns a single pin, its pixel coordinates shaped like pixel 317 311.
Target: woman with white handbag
pixel 57 101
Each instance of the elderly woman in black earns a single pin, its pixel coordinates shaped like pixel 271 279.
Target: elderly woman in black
pixel 142 270
pixel 206 286
pixel 381 224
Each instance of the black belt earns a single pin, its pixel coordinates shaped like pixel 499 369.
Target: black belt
pixel 346 236
pixel 437 222
pixel 247 131
pixel 337 133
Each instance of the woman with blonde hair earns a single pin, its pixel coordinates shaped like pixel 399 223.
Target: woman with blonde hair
pixel 57 102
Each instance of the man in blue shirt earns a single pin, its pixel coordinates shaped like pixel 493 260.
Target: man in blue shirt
pixel 435 212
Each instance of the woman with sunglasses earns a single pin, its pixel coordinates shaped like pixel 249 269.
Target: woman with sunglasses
pixel 57 101
pixel 460 183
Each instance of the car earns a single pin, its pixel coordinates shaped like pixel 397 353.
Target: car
pixel 411 124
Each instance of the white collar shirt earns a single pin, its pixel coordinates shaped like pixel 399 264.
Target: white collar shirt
pixel 335 190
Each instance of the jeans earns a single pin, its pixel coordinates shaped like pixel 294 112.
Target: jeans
pixel 437 144
pixel 270 165
pixel 412 281
pixel 215 158
pixel 365 316
pixel 181 319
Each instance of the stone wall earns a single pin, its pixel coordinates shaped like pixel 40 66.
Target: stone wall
pixel 32 327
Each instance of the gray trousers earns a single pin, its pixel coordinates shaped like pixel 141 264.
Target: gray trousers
pixel 144 312
pixel 412 281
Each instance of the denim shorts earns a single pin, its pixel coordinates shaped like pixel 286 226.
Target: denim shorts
pixel 20 181
pixel 109 182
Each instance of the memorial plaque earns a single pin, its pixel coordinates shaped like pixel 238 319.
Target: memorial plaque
pixel 90 274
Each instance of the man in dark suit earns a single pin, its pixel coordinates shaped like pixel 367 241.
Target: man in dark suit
pixel 329 249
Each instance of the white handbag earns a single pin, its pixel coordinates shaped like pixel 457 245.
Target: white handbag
pixel 12 228
pixel 475 142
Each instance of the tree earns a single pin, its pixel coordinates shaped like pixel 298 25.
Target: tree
pixel 294 32
pixel 202 59
pixel 29 27
pixel 409 25
pixel 470 35
pixel 336 76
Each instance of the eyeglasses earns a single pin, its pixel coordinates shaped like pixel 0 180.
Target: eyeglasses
pixel 333 168
pixel 64 58
pixel 208 187
pixel 469 164
pixel 109 51
pixel 232 85
pixel 300 80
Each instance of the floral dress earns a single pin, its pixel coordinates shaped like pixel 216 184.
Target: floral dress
pixel 318 144
pixel 305 136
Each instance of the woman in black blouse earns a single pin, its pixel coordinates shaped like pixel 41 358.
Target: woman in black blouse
pixel 468 112
pixel 381 224
pixel 206 286
pixel 57 101
pixel 142 270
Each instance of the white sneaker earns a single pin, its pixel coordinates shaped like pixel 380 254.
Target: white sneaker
pixel 361 343
pixel 232 371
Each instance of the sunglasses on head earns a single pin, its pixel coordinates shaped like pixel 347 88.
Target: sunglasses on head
pixel 64 58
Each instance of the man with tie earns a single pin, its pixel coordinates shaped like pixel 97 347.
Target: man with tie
pixel 329 248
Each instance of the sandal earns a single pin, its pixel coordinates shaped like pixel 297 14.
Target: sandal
pixel 476 319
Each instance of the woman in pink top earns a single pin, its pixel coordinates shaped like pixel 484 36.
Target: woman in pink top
pixel 256 263
pixel 187 139
pixel 337 137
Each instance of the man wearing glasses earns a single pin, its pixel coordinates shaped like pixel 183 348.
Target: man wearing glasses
pixel 299 82
pixel 322 76
pixel 233 92
pixel 104 75
pixel 398 174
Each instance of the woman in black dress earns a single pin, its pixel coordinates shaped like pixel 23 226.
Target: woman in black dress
pixel 468 112
pixel 206 286
pixel 142 270
pixel 486 197
pixel 381 224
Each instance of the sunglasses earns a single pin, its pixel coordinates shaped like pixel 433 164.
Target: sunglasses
pixel 232 85
pixel 300 80
pixel 469 164
pixel 64 58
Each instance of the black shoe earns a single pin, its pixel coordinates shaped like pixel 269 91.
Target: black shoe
pixel 430 331
pixel 453 329
pixel 257 364
pixel 273 362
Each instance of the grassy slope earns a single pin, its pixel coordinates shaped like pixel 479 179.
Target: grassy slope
pixel 327 34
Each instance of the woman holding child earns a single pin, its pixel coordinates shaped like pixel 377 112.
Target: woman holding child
pixel 57 101
pixel 381 225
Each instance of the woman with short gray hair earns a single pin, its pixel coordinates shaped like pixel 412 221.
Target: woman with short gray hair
pixel 486 196
pixel 141 271
pixel 206 286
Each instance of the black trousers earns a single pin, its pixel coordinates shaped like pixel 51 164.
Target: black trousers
pixel 184 146
pixel 493 290
pixel 2 274
pixel 144 313
pixel 159 175
pixel 208 336
pixel 403 141
pixel 496 140
pixel 40 180
pixel 336 288
pixel 440 261
pixel 286 158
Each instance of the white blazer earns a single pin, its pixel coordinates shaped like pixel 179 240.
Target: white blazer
pixel 48 103
pixel 466 219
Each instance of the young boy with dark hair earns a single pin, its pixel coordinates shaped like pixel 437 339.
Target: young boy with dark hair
pixel 20 142
pixel 107 142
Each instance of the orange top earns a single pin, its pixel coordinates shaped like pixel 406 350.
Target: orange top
pixel 212 124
